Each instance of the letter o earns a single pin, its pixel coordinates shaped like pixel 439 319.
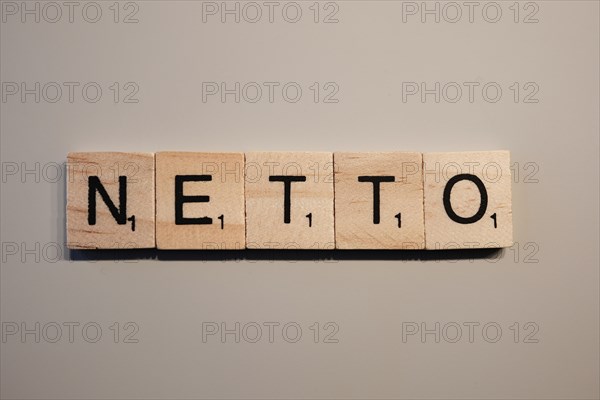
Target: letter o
pixel 456 87
pixel 245 332
pixel 458 12
pixel 448 204
pixel 58 335
pixel 286 337
pixel 458 335
pixel 298 12
pixel 498 12
pixel 484 92
pixel 84 332
pixel 289 99
pixel 98 9
pixel 247 176
pixel 85 92
pixel 57 90
pixel 486 337
pixel 258 12
pixel 256 87
pixel 57 12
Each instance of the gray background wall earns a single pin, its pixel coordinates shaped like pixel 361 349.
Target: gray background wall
pixel 548 283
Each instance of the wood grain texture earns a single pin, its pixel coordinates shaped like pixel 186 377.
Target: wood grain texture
pixel 489 226
pixel 224 208
pixel 266 225
pixel 107 233
pixel 393 222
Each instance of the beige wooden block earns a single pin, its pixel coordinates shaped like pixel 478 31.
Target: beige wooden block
pixel 302 219
pixel 200 201
pixel 467 200
pixel 379 201
pixel 110 200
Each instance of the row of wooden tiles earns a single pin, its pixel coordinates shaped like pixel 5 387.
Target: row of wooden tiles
pixel 289 200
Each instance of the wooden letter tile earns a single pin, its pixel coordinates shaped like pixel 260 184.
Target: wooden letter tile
pixel 110 200
pixel 379 201
pixel 467 200
pixel 289 200
pixel 200 201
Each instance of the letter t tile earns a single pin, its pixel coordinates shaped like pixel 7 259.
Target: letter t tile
pixel 379 201
pixel 289 200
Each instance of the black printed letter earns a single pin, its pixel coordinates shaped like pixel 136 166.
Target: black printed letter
pixel 119 214
pixel 376 180
pixel 287 197
pixel 482 192
pixel 180 199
